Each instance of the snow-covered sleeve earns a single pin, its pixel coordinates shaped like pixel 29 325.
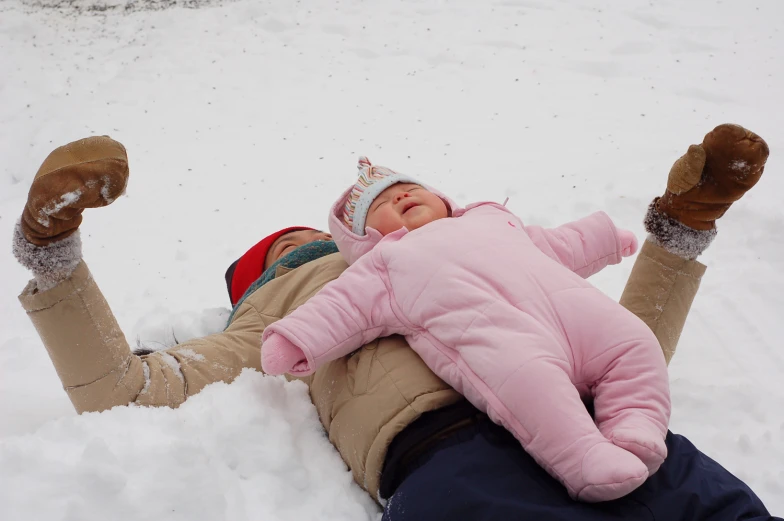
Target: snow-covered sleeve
pixel 585 246
pixel 346 314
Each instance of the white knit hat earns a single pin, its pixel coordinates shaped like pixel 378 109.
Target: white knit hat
pixel 372 181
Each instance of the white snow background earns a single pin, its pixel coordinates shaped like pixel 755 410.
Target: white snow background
pixel 243 117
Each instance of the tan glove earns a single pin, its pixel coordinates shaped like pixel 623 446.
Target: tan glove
pixel 88 173
pixel 705 181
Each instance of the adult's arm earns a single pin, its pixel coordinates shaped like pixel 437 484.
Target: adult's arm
pixel 95 363
pixel 660 291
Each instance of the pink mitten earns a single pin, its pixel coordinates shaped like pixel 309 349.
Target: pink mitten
pixel 279 356
pixel 628 242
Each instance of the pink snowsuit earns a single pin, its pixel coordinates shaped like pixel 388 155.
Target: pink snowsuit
pixel 501 312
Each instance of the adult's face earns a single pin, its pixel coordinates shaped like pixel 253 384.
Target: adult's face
pixel 285 244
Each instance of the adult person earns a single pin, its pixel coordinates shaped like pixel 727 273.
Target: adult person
pixel 410 440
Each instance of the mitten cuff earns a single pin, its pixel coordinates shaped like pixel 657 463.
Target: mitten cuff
pixel 50 264
pixel 676 237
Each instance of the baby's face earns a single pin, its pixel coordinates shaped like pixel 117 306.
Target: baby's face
pixel 404 204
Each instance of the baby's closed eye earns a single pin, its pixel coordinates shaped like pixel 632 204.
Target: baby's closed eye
pixel 379 203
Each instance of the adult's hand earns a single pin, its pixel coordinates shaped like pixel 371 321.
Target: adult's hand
pixel 88 173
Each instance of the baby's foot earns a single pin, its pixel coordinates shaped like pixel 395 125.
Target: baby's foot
pixel 647 445
pixel 610 472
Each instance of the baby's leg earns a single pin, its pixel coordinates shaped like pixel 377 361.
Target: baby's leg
pixel 622 362
pixel 545 412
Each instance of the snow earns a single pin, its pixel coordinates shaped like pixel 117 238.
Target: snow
pixel 173 364
pixel 251 450
pixel 160 328
pixel 742 168
pixel 190 354
pixel 65 199
pixel 243 117
pixel 146 373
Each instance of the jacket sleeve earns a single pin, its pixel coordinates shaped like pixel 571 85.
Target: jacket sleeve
pixel 347 313
pixel 585 246
pixel 95 364
pixel 660 291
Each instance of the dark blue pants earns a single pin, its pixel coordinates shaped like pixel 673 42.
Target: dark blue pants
pixel 482 473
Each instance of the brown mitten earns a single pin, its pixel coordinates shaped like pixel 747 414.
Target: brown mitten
pixel 88 173
pixel 702 185
pixel 706 180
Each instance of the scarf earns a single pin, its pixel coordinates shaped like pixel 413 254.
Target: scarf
pixel 295 259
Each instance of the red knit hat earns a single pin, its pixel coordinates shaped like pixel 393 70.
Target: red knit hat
pixel 248 268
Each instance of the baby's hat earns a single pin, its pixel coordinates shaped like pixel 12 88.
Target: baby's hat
pixel 372 181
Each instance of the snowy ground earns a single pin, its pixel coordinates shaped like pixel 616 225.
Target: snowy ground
pixel 243 117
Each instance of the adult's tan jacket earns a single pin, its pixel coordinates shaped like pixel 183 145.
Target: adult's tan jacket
pixel 363 400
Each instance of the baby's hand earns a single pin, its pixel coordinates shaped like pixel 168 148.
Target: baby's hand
pixel 279 355
pixel 628 242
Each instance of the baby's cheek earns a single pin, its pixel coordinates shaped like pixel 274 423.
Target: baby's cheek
pixel 385 222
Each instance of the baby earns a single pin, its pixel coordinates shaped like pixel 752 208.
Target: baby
pixel 501 312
